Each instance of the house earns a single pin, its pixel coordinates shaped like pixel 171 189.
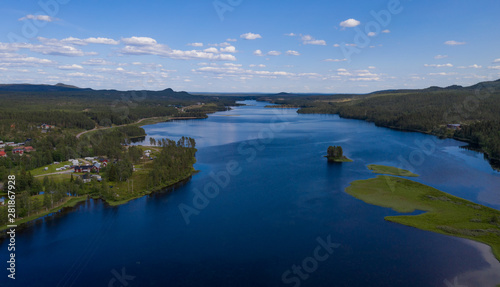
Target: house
pixel 18 151
pixel 98 177
pixel 2 145
pixel 75 162
pixel 86 178
pixel 83 168
pixel 2 153
pixel 96 167
pixel 28 149
pixel 103 161
pixel 46 126
pixel 454 126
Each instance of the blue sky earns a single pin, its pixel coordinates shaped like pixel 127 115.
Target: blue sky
pixel 250 46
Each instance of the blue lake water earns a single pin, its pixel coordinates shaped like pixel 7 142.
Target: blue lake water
pixel 273 201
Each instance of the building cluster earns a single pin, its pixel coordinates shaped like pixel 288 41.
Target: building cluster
pixel 17 148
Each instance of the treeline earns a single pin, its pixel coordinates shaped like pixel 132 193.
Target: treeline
pixel 476 109
pixel 174 162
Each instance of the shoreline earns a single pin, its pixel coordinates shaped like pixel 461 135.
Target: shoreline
pixel 443 213
pixel 494 162
pixel 489 276
pixel 74 201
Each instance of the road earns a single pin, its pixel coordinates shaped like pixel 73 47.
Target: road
pixel 103 128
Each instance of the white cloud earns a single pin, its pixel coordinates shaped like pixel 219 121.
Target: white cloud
pixel 99 40
pixel 149 46
pixel 92 40
pixel 231 40
pixel 437 57
pixel 70 67
pixel 494 67
pixel 475 66
pixel 496 61
pixel 195 44
pixel 250 36
pixel 211 50
pixel 336 45
pixel 258 53
pixel 291 34
pixel 441 74
pixel 259 65
pixel 310 40
pixel 273 53
pixel 45 18
pixel 139 41
pixel 228 49
pixel 97 62
pixel 386 31
pixel 454 43
pixel 372 67
pixel 237 71
pixel 372 34
pixel 350 23
pixel 335 60
pixel 292 53
pixel 17 60
pixel 448 65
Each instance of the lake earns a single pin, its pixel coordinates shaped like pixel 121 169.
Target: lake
pixel 266 209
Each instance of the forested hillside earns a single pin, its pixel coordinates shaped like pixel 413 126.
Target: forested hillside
pixel 476 109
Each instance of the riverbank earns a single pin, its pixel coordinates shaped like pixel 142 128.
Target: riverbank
pixel 444 213
pixel 69 202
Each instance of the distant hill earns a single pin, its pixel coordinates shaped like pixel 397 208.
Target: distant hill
pixel 492 85
pixel 39 88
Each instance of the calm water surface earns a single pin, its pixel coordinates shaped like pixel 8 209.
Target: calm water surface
pixel 268 216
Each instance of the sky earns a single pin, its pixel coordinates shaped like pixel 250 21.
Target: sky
pixel 315 46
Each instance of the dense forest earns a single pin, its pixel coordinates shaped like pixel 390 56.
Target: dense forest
pixel 26 107
pixel 476 109
pixel 48 118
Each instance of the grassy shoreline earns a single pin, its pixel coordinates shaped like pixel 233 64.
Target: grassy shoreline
pixel 383 169
pixel 444 213
pixel 341 159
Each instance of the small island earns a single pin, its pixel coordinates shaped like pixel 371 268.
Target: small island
pixel 382 169
pixel 336 154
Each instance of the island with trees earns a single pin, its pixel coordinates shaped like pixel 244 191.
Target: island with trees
pixel 336 154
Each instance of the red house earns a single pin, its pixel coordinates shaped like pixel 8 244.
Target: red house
pixel 28 149
pixel 2 153
pixel 83 168
pixel 18 151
